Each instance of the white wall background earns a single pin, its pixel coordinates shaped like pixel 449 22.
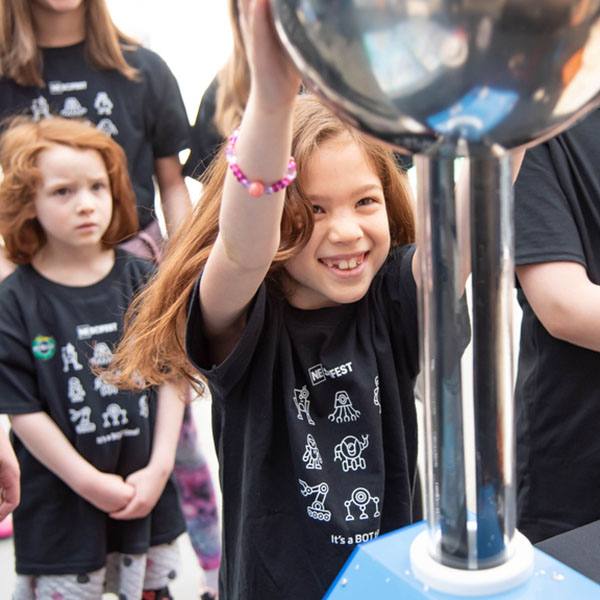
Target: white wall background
pixel 193 36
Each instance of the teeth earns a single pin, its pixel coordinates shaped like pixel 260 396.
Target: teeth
pixel 344 265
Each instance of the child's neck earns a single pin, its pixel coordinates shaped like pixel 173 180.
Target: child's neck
pixel 55 29
pixel 77 269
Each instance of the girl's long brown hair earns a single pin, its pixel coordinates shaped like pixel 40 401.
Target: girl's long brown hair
pixel 153 347
pixel 21 58
pixel 234 80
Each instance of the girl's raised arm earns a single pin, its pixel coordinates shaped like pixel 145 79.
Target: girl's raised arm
pixel 249 227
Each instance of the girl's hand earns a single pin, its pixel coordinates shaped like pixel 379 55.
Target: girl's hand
pixel 9 477
pixel 274 79
pixel 107 491
pixel 148 484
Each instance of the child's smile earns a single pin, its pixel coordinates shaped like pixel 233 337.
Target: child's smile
pixel 351 238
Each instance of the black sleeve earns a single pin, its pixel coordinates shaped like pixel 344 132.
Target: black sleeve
pixel 19 393
pixel 396 291
pixel 226 374
pixel 166 117
pixel 545 230
pixel 205 138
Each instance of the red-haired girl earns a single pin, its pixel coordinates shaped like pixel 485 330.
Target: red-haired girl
pixel 98 503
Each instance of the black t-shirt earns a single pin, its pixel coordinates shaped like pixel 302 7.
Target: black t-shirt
pixel 205 137
pixel 315 429
pixel 50 336
pixel 557 218
pixel 146 117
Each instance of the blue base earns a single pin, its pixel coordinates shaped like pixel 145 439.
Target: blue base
pixel 381 570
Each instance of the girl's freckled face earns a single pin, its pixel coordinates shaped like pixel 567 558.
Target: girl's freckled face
pixel 351 236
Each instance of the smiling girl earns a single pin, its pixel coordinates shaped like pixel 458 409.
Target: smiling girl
pixel 98 501
pixel 291 291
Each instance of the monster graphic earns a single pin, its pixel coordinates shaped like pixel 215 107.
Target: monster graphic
pixel 349 451
pixel 114 415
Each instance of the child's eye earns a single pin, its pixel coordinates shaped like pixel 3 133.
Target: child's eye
pixel 365 201
pixel 62 191
pixel 317 209
pixel 99 185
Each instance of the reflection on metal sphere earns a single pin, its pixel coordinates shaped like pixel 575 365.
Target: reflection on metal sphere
pixel 412 72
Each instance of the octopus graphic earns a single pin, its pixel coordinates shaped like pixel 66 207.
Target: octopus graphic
pixel 343 411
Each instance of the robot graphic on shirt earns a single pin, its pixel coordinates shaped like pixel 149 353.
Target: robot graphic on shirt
pixel 303 404
pixel 69 358
pixel 361 498
pixel 317 509
pixel 73 108
pixel 143 406
pixel 114 415
pixel 103 104
pixel 312 456
pixel 75 390
pixel 102 355
pixel 349 451
pixel 104 388
pixel 40 109
pixel 343 411
pixel 376 394
pixel 82 417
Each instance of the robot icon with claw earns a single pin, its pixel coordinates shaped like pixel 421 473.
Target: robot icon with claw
pixel 317 509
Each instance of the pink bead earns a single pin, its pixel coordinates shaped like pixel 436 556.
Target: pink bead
pixel 256 189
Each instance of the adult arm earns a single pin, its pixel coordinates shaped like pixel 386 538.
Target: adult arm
pixel 43 438
pixel 565 301
pixel 174 195
pixel 150 481
pixel 10 490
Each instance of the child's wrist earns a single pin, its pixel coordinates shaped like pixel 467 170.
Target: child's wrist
pixel 161 468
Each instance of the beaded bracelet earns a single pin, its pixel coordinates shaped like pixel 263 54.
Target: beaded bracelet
pixel 257 188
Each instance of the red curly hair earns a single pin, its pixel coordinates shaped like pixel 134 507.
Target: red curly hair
pixel 20 146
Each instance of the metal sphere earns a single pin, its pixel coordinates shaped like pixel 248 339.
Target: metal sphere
pixel 476 72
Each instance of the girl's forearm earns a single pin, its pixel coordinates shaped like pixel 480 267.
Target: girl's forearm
pixel 43 438
pixel 250 227
pixel 169 418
